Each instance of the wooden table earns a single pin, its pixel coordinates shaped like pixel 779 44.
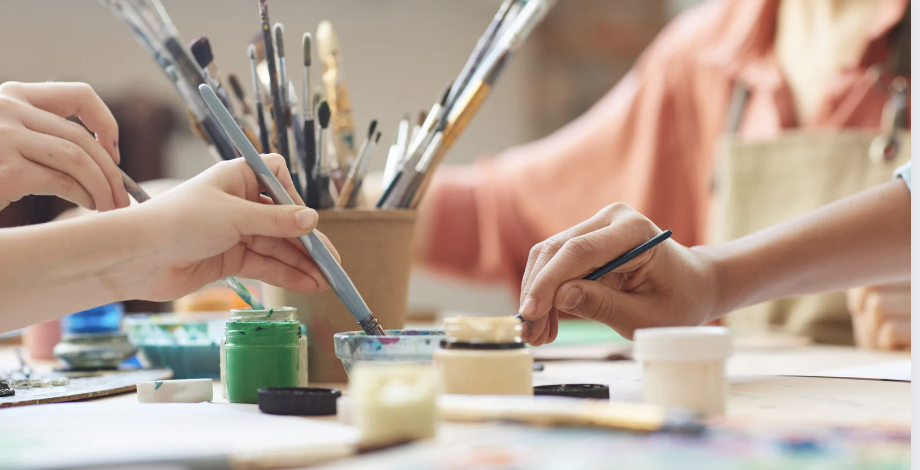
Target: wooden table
pixel 769 384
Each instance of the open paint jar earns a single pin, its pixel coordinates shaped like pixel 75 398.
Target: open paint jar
pixel 484 356
pixel 260 354
pixel 412 346
pixel 267 315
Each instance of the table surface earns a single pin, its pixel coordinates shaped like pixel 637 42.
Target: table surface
pixel 769 382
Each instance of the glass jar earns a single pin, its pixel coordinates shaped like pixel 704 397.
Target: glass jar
pixel 269 314
pixel 484 356
pixel 260 354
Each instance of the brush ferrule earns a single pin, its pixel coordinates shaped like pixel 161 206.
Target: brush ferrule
pixel 371 327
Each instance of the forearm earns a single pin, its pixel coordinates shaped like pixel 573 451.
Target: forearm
pixel 54 269
pixel 860 240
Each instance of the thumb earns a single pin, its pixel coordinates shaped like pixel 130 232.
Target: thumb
pixel 599 302
pixel 278 221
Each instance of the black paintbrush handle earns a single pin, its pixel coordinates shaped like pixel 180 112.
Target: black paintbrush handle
pixel 309 140
pixel 620 261
pixel 263 129
pixel 607 268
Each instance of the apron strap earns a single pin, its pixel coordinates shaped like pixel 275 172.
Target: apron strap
pixel 736 107
pixel 899 61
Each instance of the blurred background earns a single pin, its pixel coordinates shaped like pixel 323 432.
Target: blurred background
pixel 398 55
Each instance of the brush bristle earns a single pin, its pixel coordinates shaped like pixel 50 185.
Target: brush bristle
pixel 263 10
pixel 377 137
pixel 324 114
pixel 252 51
pixel 201 49
pixel 279 39
pixel 373 127
pixel 235 85
pixel 307 49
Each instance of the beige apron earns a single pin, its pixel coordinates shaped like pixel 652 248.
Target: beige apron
pixel 762 183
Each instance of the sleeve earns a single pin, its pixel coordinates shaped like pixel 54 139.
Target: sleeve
pixel 480 222
pixel 904 173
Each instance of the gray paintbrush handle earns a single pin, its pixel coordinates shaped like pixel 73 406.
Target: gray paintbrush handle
pixel 331 269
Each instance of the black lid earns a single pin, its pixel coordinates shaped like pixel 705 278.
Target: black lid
pixel 298 401
pixel 574 390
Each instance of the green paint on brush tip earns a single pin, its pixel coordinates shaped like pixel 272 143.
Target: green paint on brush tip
pixel 271 311
pixel 157 386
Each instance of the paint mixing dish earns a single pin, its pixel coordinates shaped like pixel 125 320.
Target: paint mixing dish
pixel 190 348
pixel 397 346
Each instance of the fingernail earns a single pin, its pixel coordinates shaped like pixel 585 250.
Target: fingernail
pixel 528 308
pixel 305 218
pixel 92 207
pixel 572 298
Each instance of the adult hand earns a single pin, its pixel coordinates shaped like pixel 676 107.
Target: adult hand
pixel 881 316
pixel 668 285
pixel 41 152
pixel 217 225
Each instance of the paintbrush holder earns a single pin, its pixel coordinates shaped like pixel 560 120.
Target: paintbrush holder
pixel 376 250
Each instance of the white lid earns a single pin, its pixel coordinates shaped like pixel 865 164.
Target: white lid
pixel 685 343
pixel 175 391
pixel 504 329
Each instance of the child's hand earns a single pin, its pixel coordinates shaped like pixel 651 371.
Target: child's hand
pixel 667 285
pixel 217 225
pixel 41 152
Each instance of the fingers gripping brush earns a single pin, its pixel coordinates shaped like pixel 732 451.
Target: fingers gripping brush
pixel 332 271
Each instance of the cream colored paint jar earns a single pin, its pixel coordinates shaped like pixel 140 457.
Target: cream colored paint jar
pixel 684 367
pixel 484 356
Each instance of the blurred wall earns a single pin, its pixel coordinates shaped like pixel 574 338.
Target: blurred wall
pixel 398 54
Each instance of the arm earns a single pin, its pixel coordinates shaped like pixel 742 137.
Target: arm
pixel 858 240
pixel 213 226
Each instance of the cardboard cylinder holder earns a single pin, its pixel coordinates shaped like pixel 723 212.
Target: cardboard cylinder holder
pixel 376 250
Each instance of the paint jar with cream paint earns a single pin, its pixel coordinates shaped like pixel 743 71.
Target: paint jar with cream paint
pixel 484 356
pixel 270 314
pixel 261 354
pixel 684 367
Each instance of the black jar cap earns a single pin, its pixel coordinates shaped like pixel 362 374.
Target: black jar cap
pixel 298 401
pixel 574 390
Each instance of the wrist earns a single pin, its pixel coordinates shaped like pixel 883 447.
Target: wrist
pixel 726 283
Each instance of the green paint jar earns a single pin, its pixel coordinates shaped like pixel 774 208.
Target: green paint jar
pixel 261 354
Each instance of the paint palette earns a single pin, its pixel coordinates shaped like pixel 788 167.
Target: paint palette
pixel 397 346
pixel 190 348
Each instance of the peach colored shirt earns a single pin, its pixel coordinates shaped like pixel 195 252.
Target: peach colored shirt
pixel 649 142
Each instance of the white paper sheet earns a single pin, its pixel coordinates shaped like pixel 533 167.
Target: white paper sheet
pixel 98 433
pixel 895 370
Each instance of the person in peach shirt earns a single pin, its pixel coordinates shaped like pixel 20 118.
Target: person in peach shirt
pixel 651 141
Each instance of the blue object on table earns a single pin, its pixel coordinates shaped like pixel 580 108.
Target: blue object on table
pixel 104 319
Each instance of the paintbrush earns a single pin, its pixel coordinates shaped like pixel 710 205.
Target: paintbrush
pixel 568 411
pixel 283 86
pixel 260 110
pixel 481 84
pixel 323 165
pixel 348 187
pixel 204 55
pixel 233 283
pixel 362 170
pixel 327 264
pixel 397 188
pixel 482 46
pixel 247 120
pixel 343 124
pixel 278 113
pixel 309 127
pixel 621 260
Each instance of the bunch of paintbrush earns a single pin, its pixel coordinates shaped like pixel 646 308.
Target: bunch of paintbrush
pixel 158 35
pixel 449 117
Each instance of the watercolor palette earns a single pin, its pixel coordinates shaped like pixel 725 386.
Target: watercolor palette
pixel 190 348
pixel 397 346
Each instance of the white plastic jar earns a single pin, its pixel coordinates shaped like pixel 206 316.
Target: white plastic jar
pixel 684 366
pixel 484 356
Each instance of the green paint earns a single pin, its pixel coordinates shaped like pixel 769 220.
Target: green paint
pixel 270 312
pixel 157 386
pixel 49 155
pixel 260 354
